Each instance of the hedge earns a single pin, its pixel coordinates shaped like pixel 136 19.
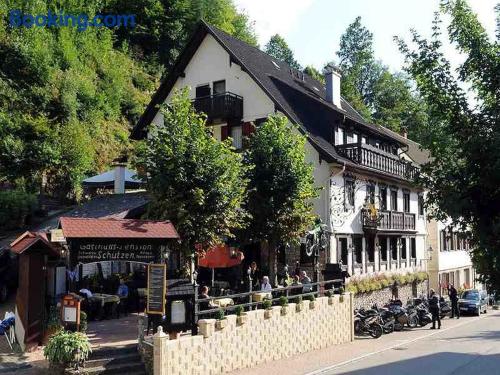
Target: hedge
pixel 15 206
pixel 378 282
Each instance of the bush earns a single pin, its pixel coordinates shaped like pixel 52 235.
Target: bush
pixel 298 299
pixel 378 282
pixel 15 207
pixel 352 287
pixel 219 314
pixel 310 297
pixel 238 310
pixel 53 321
pixel 283 301
pixel 329 293
pixel 267 304
pixel 83 321
pixel 67 348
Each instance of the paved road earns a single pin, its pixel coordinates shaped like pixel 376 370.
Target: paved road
pixel 471 347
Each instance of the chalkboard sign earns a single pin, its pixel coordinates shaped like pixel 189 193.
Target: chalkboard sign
pixel 156 289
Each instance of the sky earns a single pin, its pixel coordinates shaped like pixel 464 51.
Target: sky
pixel 312 28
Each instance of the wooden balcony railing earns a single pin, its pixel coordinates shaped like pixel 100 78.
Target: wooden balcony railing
pixel 370 156
pixel 389 220
pixel 225 106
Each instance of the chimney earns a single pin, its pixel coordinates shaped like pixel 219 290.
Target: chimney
pixel 120 177
pixel 332 79
pixel 404 132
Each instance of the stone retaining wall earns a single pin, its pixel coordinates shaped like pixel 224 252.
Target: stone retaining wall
pixel 381 297
pixel 265 336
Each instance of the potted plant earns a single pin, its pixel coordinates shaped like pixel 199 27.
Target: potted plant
pixel 221 321
pixel 284 305
pixel 299 305
pixel 241 316
pixel 329 294
pixel 267 304
pixel 312 301
pixel 341 298
pixel 66 349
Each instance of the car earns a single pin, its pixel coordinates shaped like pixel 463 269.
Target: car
pixel 473 301
pixel 8 273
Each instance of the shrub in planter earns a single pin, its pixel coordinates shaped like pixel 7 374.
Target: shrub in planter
pixel 299 305
pixel 329 293
pixel 312 300
pixel 267 304
pixel 341 298
pixel 66 349
pixel 241 316
pixel 284 305
pixel 221 319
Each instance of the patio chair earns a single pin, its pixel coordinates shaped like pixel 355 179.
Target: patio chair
pixel 7 331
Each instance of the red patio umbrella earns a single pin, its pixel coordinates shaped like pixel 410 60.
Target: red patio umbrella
pixel 221 256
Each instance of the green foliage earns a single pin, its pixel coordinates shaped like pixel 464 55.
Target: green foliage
pixel 15 206
pixel 53 320
pixel 378 282
pixel 238 310
pixel 281 184
pixel 83 321
pixel 66 347
pixel 267 303
pixel 279 49
pixel 310 297
pixel 314 73
pixel 329 293
pixel 219 314
pixel 283 301
pixel 341 290
pixel 463 132
pixel 195 181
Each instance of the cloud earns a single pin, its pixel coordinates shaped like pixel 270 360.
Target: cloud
pixel 273 16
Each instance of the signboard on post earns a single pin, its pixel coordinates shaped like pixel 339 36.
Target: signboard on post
pixel 157 288
pixel 70 310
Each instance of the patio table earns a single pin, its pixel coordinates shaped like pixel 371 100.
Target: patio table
pixel 105 298
pixel 223 302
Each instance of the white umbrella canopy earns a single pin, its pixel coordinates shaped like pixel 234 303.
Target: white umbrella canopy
pixel 107 180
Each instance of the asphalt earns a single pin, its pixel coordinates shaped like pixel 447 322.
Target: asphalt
pixel 469 345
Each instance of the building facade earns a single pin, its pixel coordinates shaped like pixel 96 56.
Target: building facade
pixel 449 258
pixel 368 201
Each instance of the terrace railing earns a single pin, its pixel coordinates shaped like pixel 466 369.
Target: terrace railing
pixel 224 106
pixel 389 220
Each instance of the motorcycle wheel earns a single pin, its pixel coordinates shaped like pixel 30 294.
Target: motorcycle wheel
pixel 423 323
pixel 389 328
pixel 413 322
pixel 398 327
pixel 357 327
pixel 376 330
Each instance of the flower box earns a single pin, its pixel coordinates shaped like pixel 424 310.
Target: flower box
pixel 284 310
pixel 312 304
pixel 241 319
pixel 220 324
pixel 331 300
pixel 268 313
pixel 299 307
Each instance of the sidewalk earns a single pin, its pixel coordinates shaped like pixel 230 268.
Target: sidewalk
pixel 362 346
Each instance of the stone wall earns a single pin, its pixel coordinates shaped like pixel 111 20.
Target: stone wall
pixel 265 336
pixel 383 296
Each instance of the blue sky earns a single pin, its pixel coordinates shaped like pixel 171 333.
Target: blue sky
pixel 313 28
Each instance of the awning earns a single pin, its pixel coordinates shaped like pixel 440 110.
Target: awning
pixel 107 180
pixel 221 256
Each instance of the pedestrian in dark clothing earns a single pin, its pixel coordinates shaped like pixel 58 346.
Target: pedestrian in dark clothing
pixel 453 294
pixel 434 309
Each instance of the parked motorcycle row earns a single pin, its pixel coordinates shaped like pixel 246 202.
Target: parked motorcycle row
pixel 394 317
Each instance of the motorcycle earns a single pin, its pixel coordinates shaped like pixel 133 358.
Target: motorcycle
pixel 387 319
pixel 400 315
pixel 424 316
pixel 367 322
pixel 412 316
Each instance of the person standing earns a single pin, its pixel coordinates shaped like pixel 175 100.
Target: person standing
pixel 434 309
pixel 453 294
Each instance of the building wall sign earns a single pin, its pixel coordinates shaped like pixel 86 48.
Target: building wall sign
pixel 103 249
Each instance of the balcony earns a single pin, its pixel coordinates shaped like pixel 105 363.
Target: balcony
pixel 388 221
pixel 220 107
pixel 372 157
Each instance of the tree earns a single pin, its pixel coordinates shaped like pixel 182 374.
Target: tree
pixel 281 185
pixel 278 48
pixel 463 132
pixel 314 73
pixel 195 181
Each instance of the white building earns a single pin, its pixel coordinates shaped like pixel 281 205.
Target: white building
pixel 368 201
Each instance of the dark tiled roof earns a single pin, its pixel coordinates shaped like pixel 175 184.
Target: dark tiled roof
pixel 297 95
pixel 116 228
pixel 29 239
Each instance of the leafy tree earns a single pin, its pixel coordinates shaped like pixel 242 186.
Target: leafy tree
pixel 463 133
pixel 281 185
pixel 278 48
pixel 314 73
pixel 195 181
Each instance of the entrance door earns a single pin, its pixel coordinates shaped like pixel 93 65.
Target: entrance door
pixel 36 293
pixel 342 248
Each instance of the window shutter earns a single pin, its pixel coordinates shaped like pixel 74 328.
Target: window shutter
pixel 248 128
pixel 224 132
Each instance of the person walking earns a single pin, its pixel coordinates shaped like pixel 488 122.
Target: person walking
pixel 453 294
pixel 434 309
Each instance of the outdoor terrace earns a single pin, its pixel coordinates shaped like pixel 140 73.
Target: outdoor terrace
pixel 220 107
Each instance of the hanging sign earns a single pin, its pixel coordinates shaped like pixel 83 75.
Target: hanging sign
pixel 157 288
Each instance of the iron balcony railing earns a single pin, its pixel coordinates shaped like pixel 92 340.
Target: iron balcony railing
pixel 372 157
pixel 224 106
pixel 388 220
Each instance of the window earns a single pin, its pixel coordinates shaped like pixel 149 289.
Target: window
pixel 394 200
pixel 350 137
pixel 413 248
pixel 363 139
pixel 355 137
pixel 236 135
pixel 406 201
pixel 382 190
pixel 421 205
pixel 202 91
pixel 370 249
pixel 357 242
pixel 403 248
pixel 349 193
pixel 382 241
pixel 219 87
pixel 394 248
pixel 343 250
pixel 370 192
